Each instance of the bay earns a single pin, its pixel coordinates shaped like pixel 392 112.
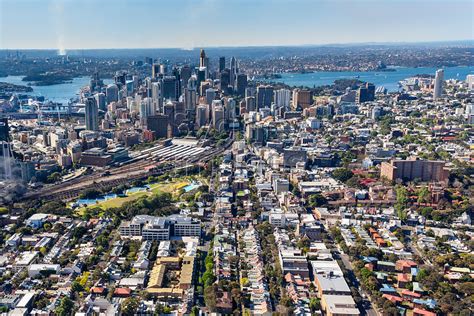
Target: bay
pixel 60 93
pixel 387 79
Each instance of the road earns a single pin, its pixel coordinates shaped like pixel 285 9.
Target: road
pixel 366 303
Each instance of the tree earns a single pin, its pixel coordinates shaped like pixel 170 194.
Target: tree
pixel 342 174
pixel 129 306
pixel 65 307
pixel 317 200
pixel 314 304
pixel 423 195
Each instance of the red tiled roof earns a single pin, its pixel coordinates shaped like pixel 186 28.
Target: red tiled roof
pixel 402 277
pixel 393 298
pixel 410 293
pixel 122 291
pixel 97 290
pixel 419 311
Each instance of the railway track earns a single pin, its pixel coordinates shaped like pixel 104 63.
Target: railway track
pixel 120 175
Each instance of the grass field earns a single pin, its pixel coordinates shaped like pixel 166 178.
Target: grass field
pixel 172 187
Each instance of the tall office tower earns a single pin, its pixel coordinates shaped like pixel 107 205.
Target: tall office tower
pixel 158 124
pixel 176 74
pixel 241 84
pixel 230 107
pixel 250 104
pixel 169 88
pixel 302 99
pixel 204 62
pixel 201 76
pixel 163 69
pixel 192 83
pixel 221 63
pixel 95 83
pixel 168 110
pixel 184 74
pixel 470 82
pixel 250 92
pixel 282 98
pixel 224 77
pixel 210 95
pixel 155 70
pixel 101 102
pixel 438 84
pixel 91 114
pixel 233 71
pixel 190 99
pixel 111 93
pixel 157 94
pixel 179 114
pixel 218 119
pixel 365 93
pixel 264 97
pixel 202 115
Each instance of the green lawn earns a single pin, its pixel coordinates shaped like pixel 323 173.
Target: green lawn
pixel 172 187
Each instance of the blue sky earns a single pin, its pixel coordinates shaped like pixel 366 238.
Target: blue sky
pixel 196 23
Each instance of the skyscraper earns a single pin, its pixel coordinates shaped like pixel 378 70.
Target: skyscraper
pixel 438 84
pixel 155 70
pixel 302 98
pixel 241 84
pixel 233 71
pixel 365 93
pixel 264 96
pixel 111 93
pixel 91 114
pixel 221 63
pixel 170 88
pixel 282 98
pixel 204 62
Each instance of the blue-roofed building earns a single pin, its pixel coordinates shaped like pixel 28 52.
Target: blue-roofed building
pixel 430 303
pixel 387 289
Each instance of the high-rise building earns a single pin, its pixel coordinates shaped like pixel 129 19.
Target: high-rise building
pixel 101 101
pixel 210 95
pixel 158 124
pixel 233 71
pixel 218 118
pixel 241 84
pixel 157 94
pixel 111 93
pixel 224 77
pixel 302 98
pixel 204 62
pixel 185 74
pixel 155 70
pixel 264 96
pixel 91 114
pixel 438 84
pixel 202 115
pixel 282 98
pixel 170 88
pixel 365 93
pixel 470 82
pixel 221 63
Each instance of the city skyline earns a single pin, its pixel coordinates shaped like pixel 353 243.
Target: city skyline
pixel 213 23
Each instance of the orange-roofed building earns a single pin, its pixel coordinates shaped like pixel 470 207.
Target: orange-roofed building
pixel 122 292
pixel 393 298
pixel 422 312
pixel 405 266
pixel 402 280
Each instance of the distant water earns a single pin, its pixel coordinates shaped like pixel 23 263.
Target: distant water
pixel 388 79
pixel 60 93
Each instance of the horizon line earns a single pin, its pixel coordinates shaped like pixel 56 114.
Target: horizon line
pixel 256 46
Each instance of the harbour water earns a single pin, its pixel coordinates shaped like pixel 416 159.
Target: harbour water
pixel 387 79
pixel 60 93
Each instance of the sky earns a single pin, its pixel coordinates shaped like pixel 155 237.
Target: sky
pixel 81 24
